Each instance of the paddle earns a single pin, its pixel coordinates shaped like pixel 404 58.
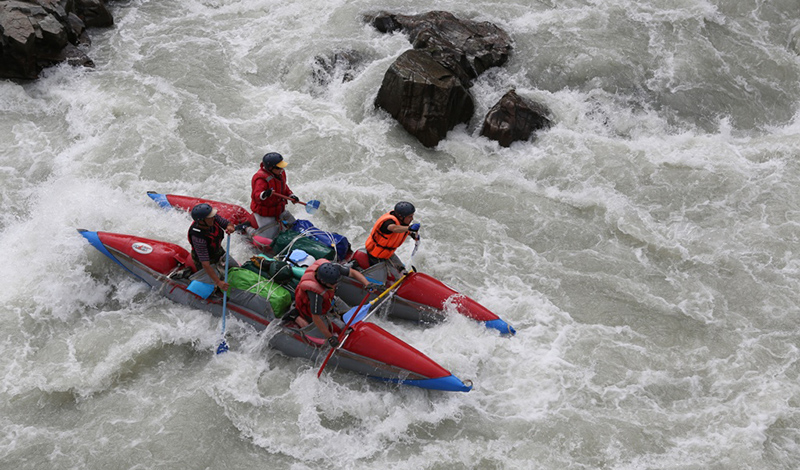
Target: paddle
pixel 354 313
pixel 223 346
pixel 311 206
pixel 333 350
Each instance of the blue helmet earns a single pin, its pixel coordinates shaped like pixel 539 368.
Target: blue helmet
pixel 202 211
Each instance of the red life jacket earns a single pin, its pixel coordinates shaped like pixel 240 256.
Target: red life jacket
pixel 309 283
pixel 381 245
pixel 272 206
pixel 213 237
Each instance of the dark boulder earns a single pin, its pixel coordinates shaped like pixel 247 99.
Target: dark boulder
pixel 38 33
pixel 426 89
pixel 424 97
pixel 514 118
pixel 94 13
pixel 469 45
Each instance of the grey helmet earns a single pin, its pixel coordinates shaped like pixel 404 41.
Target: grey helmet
pixel 404 209
pixel 329 273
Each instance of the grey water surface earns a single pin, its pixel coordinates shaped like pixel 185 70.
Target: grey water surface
pixel 643 248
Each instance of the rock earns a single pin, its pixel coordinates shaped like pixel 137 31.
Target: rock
pixel 93 13
pixel 473 46
pixel 342 65
pixel 426 89
pixel 513 119
pixel 424 97
pixel 37 33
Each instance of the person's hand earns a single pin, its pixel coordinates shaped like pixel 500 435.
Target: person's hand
pixel 267 193
pixel 414 235
pixel 223 286
pixel 373 286
pixel 295 199
pixel 333 341
pixel 230 228
pixel 414 227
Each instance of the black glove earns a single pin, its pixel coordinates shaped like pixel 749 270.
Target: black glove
pixel 373 286
pixel 294 198
pixel 333 341
pixel 266 193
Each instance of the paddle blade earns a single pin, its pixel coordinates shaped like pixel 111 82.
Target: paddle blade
pixel 222 348
pixel 359 314
pixel 312 206
pixel 200 289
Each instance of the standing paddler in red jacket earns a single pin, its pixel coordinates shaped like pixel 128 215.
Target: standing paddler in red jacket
pixel 268 185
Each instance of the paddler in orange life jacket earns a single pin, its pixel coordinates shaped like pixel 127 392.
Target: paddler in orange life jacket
pixel 315 295
pixel 267 205
pixel 388 233
pixel 205 237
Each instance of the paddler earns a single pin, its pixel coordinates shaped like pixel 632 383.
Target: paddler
pixel 315 296
pixel 205 236
pixel 269 195
pixel 389 232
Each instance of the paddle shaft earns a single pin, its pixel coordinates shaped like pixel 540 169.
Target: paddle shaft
pixel 353 317
pixel 225 294
pixel 288 198
pixel 333 350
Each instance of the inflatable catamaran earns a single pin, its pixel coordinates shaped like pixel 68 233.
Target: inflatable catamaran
pixel 369 350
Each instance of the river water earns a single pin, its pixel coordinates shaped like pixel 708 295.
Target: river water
pixel 643 247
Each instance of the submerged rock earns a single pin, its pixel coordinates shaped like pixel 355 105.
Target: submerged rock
pixel 342 65
pixel 427 89
pixel 514 118
pixel 35 34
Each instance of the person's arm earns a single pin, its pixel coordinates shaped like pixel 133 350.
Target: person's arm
pixel 315 306
pixel 225 223
pixel 402 228
pixel 260 190
pixel 358 277
pixel 322 327
pixel 212 273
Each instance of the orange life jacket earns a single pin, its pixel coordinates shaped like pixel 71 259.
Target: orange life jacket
pixel 309 283
pixel 381 245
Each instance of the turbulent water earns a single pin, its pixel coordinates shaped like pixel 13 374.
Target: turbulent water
pixel 643 247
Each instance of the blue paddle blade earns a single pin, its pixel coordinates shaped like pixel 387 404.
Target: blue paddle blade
pixel 222 348
pixel 200 289
pixel 358 315
pixel 312 206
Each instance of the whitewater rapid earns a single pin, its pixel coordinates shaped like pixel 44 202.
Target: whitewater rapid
pixel 643 247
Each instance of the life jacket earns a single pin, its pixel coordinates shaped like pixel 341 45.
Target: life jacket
pixel 381 245
pixel 272 206
pixel 308 282
pixel 213 238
